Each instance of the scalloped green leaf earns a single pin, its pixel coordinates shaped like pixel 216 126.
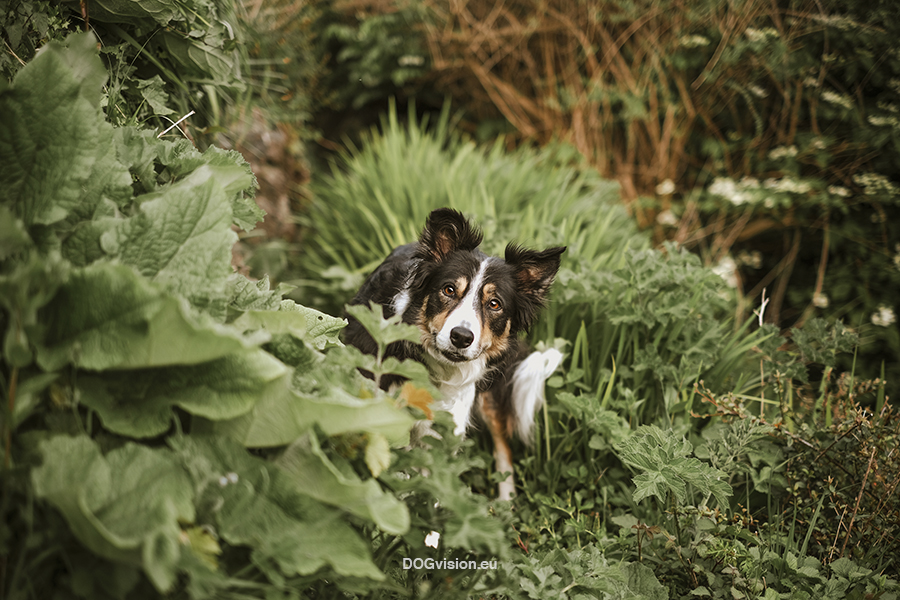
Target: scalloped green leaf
pixel 124 506
pixel 109 317
pixel 50 142
pixel 140 403
pixel 255 503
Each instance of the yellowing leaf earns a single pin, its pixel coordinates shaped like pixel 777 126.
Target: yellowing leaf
pixel 378 454
pixel 418 398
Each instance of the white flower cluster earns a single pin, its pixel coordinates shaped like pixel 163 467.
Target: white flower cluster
pixel 667 217
pixel 758 91
pixel 820 300
pixel 875 183
pixel 727 270
pixel 760 35
pixel 837 99
pixel 885 316
pixel 693 41
pixel 752 259
pixel 787 184
pixel 735 192
pixel 783 152
pixel 665 187
pixel 838 190
pixel 411 60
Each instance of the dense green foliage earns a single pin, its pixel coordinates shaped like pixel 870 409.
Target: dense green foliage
pixel 137 369
pixel 173 429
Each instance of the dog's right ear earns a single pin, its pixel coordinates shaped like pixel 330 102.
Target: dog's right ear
pixel 446 231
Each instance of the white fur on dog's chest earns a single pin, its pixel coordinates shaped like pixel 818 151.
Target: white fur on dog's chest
pixel 456 383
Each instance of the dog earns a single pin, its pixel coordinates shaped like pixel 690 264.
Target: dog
pixel 470 308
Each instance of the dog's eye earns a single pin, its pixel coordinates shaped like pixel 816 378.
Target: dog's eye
pixel 449 290
pixel 494 305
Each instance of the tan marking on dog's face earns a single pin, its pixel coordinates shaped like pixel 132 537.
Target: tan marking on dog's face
pixel 461 285
pixel 487 292
pixel 497 345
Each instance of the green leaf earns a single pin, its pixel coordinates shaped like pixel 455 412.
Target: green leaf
pixel 140 403
pixel 181 237
pixel 13 238
pixel 24 290
pixel 124 506
pixel 378 454
pixel 662 458
pixel 154 93
pixel 383 331
pixel 50 131
pixel 315 328
pixel 319 478
pixel 255 503
pixel 284 415
pixel 109 317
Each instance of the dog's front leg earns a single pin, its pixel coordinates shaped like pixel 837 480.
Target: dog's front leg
pixel 506 489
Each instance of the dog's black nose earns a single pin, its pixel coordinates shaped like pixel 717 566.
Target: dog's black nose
pixel 461 337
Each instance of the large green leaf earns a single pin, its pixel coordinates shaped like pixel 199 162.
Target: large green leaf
pixel 319 478
pixel 181 236
pixel 315 328
pixel 280 418
pixel 107 316
pixel 255 503
pixel 139 403
pixel 124 506
pixel 50 133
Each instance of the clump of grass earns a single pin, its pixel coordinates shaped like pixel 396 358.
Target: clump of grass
pixel 378 197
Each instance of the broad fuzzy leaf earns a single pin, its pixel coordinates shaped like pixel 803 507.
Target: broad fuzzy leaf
pixel 139 403
pixel 255 503
pixel 124 506
pixel 181 237
pixel 49 142
pixel 281 417
pixel 109 317
pixel 315 328
pixel 319 478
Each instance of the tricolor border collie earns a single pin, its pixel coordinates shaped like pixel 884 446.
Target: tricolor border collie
pixel 470 308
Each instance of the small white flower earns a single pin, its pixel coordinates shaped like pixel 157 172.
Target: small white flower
pixel 223 481
pixel 232 477
pixel 752 259
pixel 667 217
pixel 758 91
pixel 665 187
pixel 884 317
pixel 411 60
pixel 837 190
pixel 693 41
pixel 727 270
pixel 811 82
pixel 783 152
pixel 818 144
pixel 820 300
pixel 432 539
pixel 838 99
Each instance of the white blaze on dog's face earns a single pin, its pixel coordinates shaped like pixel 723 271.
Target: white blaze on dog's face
pixel 460 336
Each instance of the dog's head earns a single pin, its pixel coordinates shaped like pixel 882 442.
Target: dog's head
pixel 471 305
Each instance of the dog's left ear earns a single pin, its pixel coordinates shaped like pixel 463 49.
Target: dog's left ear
pixel 446 231
pixel 534 272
